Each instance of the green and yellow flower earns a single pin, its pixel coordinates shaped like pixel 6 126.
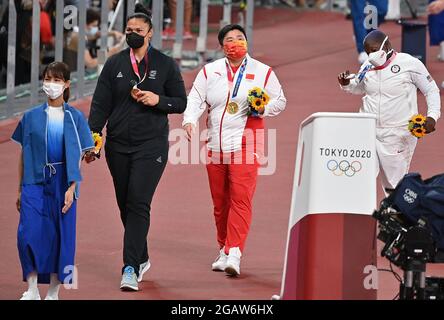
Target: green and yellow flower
pixel 419 132
pixel 419 119
pixel 258 104
pixel 416 126
pixel 257 100
pixel 97 138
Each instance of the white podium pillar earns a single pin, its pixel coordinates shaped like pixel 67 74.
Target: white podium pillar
pixel 331 235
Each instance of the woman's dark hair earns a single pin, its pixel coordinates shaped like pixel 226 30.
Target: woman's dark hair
pixel 223 32
pixel 92 15
pixel 140 12
pixel 59 70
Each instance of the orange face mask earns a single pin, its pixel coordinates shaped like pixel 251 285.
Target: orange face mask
pixel 236 49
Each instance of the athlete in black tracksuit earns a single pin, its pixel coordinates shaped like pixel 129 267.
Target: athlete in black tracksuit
pixel 137 138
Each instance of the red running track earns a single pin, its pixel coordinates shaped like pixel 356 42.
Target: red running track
pixel 307 51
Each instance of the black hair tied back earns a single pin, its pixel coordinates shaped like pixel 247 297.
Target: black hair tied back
pixel 140 12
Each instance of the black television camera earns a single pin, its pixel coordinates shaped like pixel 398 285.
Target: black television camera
pixel 404 241
pixel 412 235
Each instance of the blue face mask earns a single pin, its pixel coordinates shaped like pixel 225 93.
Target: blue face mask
pixel 93 31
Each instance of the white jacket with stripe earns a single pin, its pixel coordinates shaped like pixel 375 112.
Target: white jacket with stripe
pixel 211 89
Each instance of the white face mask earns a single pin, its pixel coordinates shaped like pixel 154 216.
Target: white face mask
pixel 93 31
pixel 53 90
pixel 379 57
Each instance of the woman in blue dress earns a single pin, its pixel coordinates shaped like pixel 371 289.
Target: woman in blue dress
pixel 53 136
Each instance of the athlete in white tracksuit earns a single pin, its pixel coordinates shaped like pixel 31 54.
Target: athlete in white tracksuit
pixel 389 81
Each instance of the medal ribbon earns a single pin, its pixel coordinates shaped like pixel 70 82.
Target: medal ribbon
pixel 239 78
pixel 136 67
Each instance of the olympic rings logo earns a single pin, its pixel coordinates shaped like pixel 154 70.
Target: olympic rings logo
pixel 410 196
pixel 344 167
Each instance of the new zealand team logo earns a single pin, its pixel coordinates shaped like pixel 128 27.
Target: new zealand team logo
pixel 152 75
pixel 344 167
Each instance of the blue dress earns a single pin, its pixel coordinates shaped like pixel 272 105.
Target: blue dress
pixel 46 237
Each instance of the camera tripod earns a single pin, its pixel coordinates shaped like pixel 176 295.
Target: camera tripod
pixel 413 286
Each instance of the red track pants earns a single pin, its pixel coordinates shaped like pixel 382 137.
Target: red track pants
pixel 232 188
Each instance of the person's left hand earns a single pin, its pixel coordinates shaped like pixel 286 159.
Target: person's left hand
pixel 429 125
pixel 189 129
pixel 69 199
pixel 148 98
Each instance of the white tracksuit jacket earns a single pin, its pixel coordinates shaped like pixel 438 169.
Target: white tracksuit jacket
pixel 211 89
pixel 391 94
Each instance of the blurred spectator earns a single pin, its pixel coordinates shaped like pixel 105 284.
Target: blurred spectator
pixel 46 34
pixel 394 10
pixel 435 7
pixel 92 35
pixel 358 15
pixel 24 38
pixel 436 25
pixel 112 5
pixel 170 31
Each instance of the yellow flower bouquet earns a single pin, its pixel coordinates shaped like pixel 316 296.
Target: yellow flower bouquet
pixel 257 100
pixel 98 141
pixel 416 125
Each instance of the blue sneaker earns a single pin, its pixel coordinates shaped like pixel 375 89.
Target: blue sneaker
pixel 129 280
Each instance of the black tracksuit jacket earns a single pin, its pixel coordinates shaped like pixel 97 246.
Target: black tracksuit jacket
pixel 130 124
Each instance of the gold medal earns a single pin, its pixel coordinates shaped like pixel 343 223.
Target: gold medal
pixel 232 107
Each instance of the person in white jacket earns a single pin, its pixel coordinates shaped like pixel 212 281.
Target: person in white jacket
pixel 389 81
pixel 235 137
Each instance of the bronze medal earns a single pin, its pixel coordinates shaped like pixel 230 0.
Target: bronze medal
pixel 232 107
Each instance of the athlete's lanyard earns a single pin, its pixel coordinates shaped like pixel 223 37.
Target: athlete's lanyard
pixel 239 78
pixel 136 67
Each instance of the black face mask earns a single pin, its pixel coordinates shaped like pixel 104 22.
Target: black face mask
pixel 135 40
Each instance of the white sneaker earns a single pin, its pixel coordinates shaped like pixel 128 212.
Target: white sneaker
pixel 363 56
pixel 289 3
pixel 52 298
pixel 144 267
pixel 221 261
pixel 30 296
pixel 233 262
